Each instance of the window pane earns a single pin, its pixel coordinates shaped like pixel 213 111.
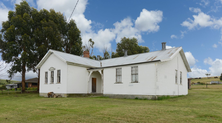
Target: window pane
pixel 176 76
pixel 52 76
pixel 118 74
pixel 46 77
pixel 58 76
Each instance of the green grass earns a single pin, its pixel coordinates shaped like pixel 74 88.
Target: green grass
pixel 200 105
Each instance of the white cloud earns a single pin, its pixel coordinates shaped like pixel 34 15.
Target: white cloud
pixel 169 47
pixel 148 20
pixel 173 36
pixel 220 43
pixel 197 72
pixel 17 76
pixel 125 28
pixel 216 66
pixel 202 20
pixel 195 10
pixel 214 46
pixel 182 33
pixel 191 60
pixel 3 13
pixel 204 3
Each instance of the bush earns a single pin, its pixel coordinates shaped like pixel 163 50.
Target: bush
pixel 3 87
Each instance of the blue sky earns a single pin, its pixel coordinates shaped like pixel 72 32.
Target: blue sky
pixel 196 25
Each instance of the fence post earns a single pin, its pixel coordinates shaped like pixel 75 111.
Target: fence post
pixel 206 85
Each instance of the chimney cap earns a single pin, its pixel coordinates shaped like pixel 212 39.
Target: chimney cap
pixel 163 45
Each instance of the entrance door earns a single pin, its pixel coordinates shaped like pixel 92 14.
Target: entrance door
pixel 93 85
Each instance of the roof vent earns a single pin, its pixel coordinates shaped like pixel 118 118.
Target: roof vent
pixel 98 57
pixel 125 52
pixel 163 45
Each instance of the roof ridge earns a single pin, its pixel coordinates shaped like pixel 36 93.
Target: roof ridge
pixel 140 53
pixel 73 55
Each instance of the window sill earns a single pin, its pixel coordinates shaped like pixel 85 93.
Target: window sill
pixel 118 83
pixel 58 83
pixel 134 82
pixel 51 83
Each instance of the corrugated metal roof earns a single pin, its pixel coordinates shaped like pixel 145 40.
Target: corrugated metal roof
pixel 161 55
pixel 143 57
pixel 76 59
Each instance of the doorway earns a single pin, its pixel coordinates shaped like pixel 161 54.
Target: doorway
pixel 93 85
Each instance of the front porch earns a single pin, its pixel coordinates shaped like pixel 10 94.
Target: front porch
pixel 95 81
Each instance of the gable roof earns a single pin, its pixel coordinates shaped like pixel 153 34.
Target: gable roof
pixel 161 56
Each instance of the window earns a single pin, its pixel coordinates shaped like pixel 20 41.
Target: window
pixel 176 76
pixel 46 77
pixel 52 76
pixel 58 76
pixel 118 75
pixel 180 77
pixel 134 74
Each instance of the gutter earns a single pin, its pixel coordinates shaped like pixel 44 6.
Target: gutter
pixel 124 64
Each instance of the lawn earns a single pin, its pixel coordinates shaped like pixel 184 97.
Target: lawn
pixel 200 105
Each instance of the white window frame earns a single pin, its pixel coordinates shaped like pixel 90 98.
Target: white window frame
pixel 46 77
pixel 181 77
pixel 52 77
pixel 120 75
pixel 135 74
pixel 176 78
pixel 58 76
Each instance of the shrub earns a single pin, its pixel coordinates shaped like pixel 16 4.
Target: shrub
pixel 3 87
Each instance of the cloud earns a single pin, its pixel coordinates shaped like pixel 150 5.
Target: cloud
pixel 191 60
pixel 214 46
pixel 3 13
pixel 195 10
pixel 204 3
pixel 202 20
pixel 216 66
pixel 169 47
pixel 197 72
pixel 182 33
pixel 220 43
pixel 173 36
pixel 4 67
pixel 125 28
pixel 148 20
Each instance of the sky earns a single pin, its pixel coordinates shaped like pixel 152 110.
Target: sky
pixel 194 25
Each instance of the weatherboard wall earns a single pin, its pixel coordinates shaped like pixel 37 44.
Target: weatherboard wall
pixel 77 81
pixel 58 64
pixel 166 84
pixel 145 85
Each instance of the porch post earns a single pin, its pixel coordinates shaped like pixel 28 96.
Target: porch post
pixel 88 88
pixel 100 71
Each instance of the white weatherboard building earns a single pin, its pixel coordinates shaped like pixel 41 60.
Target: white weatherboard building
pixel 145 75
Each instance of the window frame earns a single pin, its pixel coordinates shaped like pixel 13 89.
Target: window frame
pixel 135 74
pixel 52 77
pixel 59 76
pixel 121 81
pixel 181 77
pixel 46 79
pixel 176 77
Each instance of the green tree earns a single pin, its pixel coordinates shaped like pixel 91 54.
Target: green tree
pixel 17 42
pixel 131 45
pixel 106 54
pixel 28 35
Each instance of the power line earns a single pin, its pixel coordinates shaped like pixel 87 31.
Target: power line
pixel 73 10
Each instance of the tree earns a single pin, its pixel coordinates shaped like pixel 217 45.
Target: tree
pixel 106 54
pixel 131 45
pixel 17 43
pixel 28 35
pixel 221 77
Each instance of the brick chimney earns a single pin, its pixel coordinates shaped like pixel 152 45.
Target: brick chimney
pixel 163 45
pixel 86 54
